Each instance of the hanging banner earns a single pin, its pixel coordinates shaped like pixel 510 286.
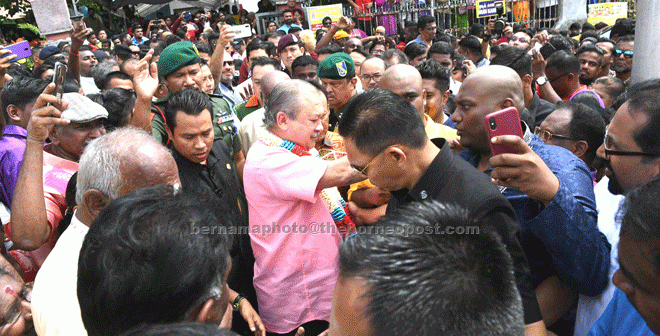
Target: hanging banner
pixel 607 12
pixel 486 8
pixel 315 15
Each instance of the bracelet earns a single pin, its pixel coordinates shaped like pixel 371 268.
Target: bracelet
pixel 72 54
pixel 237 302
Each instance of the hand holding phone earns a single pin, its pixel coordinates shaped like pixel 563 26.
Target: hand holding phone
pixel 503 122
pixel 58 79
pixel 20 50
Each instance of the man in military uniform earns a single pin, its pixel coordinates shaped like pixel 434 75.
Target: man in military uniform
pixel 179 68
pixel 337 74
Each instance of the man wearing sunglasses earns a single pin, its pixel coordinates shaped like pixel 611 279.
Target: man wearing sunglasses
pixel 623 58
pixel 520 39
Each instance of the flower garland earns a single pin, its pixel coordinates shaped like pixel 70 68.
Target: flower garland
pixel 330 196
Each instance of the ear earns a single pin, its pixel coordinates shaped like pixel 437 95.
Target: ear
pixel 210 312
pixel 282 120
pixel 453 65
pixel 353 81
pixel 508 103
pixel 14 113
pixel 424 96
pixel 579 148
pixel 527 81
pixel 169 131
pixel 445 98
pixel 398 155
pixel 54 136
pixel 302 49
pixel 94 201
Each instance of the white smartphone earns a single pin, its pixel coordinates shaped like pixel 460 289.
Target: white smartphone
pixel 242 31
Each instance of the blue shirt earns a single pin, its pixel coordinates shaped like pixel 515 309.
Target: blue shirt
pixel 136 42
pixel 12 148
pixel 562 238
pixel 620 318
pixel 285 28
pixel 418 40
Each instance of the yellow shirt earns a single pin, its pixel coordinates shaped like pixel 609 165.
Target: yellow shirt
pixel 433 130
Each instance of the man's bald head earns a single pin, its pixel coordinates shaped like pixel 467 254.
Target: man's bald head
pixel 499 83
pixel 122 161
pixel 269 81
pixel 486 90
pixel 405 81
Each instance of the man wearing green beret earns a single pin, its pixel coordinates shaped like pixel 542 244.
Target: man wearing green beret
pixel 179 68
pixel 337 73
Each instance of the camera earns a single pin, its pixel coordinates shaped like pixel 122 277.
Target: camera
pixel 500 20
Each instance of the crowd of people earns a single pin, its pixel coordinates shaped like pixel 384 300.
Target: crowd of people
pixel 337 182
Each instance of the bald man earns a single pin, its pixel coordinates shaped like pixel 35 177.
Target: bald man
pixel 250 125
pixel 406 81
pixel 371 73
pixel 549 187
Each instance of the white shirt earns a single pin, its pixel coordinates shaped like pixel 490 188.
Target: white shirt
pixel 88 85
pixel 591 307
pixel 248 130
pixel 55 308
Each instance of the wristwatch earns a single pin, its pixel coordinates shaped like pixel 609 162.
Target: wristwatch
pixel 541 80
pixel 237 302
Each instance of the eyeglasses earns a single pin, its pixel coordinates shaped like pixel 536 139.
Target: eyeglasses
pixel 431 28
pixel 13 312
pixel 608 143
pixel 545 135
pixel 521 39
pixel 626 54
pixel 367 77
pixel 361 170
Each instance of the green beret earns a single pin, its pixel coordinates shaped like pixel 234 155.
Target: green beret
pixel 176 56
pixel 336 66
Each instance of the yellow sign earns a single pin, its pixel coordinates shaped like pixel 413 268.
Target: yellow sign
pixel 316 14
pixel 607 12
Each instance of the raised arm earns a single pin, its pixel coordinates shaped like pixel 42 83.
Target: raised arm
pixel 226 35
pixel 145 80
pixel 78 35
pixel 29 222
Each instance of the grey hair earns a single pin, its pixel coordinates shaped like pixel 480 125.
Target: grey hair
pixel 100 162
pixel 286 97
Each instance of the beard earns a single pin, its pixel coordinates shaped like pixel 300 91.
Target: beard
pixel 614 186
pixel 288 22
pixel 619 68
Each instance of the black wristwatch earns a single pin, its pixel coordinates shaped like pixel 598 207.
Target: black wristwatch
pixel 237 302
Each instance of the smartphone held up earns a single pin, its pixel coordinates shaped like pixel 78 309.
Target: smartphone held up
pixel 503 122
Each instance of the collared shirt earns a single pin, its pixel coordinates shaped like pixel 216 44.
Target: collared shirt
pixel 590 308
pixel 285 28
pixel 294 238
pixel 143 40
pixel 88 85
pixel 56 174
pixel 217 177
pixel 562 238
pixel 621 318
pixel 246 107
pixel 228 93
pixel 12 148
pixel 484 61
pixel 55 307
pixel 418 40
pixel 249 128
pixel 450 179
pixel 540 109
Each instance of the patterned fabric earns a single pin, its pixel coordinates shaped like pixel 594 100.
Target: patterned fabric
pixel 330 196
pixel 389 20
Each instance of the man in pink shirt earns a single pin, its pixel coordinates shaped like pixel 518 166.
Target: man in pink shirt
pixel 290 191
